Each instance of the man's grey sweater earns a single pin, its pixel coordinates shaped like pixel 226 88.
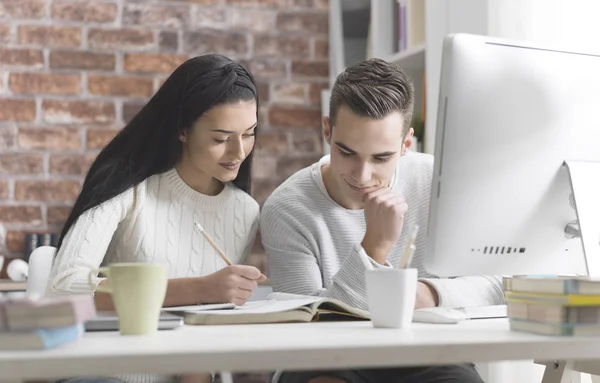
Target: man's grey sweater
pixel 314 245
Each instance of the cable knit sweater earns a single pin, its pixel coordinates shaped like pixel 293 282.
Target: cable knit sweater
pixel 154 222
pixel 313 244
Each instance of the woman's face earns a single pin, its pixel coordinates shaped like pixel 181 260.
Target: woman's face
pixel 220 140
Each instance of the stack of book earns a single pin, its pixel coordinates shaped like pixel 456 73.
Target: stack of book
pixel 45 323
pixel 553 305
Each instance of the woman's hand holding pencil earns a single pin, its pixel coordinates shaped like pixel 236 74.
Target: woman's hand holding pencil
pixel 234 283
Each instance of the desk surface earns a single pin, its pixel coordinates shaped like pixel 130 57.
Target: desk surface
pixel 285 346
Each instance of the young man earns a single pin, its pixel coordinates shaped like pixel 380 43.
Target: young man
pixel 355 209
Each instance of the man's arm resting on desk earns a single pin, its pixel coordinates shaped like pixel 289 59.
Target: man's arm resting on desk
pixel 467 291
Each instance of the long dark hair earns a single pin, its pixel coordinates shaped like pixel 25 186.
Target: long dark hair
pixel 149 144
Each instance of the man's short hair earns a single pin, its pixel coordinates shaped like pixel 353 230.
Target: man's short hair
pixel 373 88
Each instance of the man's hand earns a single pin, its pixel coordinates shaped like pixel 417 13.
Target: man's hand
pixel 426 296
pixel 384 216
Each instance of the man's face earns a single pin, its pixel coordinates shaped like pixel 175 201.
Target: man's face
pixel 364 155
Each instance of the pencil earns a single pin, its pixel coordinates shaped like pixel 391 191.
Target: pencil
pixel 214 245
pixel 410 249
pixel 220 252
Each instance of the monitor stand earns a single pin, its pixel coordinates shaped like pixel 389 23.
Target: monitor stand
pixel 585 199
pixel 585 187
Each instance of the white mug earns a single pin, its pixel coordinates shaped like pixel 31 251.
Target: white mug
pixel 391 296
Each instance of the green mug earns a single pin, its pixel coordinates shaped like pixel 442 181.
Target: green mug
pixel 138 292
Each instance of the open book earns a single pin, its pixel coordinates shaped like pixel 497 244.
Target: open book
pixel 278 308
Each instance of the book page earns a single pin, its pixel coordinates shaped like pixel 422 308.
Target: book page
pixel 288 296
pixel 261 307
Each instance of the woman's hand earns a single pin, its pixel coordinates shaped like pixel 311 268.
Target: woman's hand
pixel 232 284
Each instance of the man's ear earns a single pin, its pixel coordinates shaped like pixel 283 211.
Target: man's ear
pixel 408 140
pixel 327 130
pixel 183 136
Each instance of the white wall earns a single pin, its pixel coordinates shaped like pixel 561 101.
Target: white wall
pixel 567 24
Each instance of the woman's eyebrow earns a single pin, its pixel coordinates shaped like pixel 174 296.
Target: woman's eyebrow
pixel 229 131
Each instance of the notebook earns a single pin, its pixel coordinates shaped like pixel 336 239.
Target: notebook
pixel 39 339
pixel 7 285
pixel 48 312
pixel 108 321
pixel 278 308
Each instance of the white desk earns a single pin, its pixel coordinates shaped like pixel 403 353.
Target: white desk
pixel 291 346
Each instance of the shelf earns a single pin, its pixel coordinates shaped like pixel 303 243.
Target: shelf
pixel 410 60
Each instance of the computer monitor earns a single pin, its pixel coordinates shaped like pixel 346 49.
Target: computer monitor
pixel 510 115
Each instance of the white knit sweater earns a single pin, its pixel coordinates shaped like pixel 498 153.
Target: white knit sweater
pixel 313 244
pixel 154 222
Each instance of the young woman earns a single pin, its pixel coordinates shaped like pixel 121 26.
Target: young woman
pixel 185 158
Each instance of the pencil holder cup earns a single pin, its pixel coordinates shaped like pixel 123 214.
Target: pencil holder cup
pixel 391 295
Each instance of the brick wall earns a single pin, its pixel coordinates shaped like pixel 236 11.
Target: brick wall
pixel 72 72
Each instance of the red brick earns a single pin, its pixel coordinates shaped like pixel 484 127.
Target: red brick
pixel 120 86
pixel 318 69
pixel 22 9
pixel 50 36
pixel 78 112
pixel 3 189
pixel 260 3
pixel 168 41
pixel 287 46
pixel 21 110
pixel 98 138
pixel 314 92
pixel 210 40
pixel 15 241
pixel 125 38
pixel 262 189
pixel 311 4
pixel 45 83
pixel 22 57
pixel 321 49
pixel 264 166
pixel 264 93
pixel 21 163
pixel 290 93
pixel 253 20
pixel 263 116
pixel 307 142
pixel 86 12
pixel 4 33
pixel 295 117
pixel 8 136
pixel 152 63
pixel 52 138
pixel 211 17
pixel 130 110
pixel 268 68
pixel 57 215
pixel 46 190
pixel 83 60
pixel 29 215
pixel 150 15
pixel 306 22
pixel 201 2
pixel 286 166
pixel 272 143
pixel 73 164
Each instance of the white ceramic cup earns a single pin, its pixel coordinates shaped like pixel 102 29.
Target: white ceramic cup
pixel 391 295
